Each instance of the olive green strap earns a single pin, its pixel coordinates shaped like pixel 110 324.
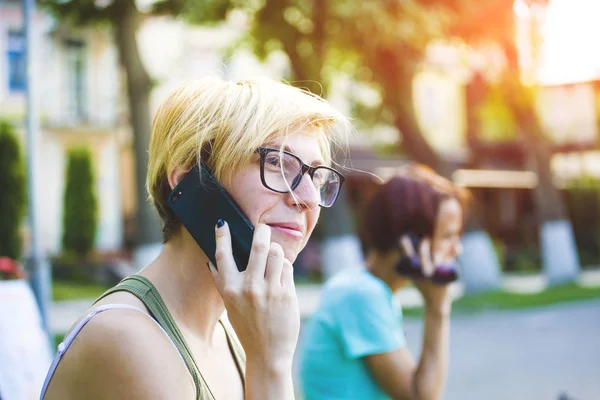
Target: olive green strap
pixel 236 348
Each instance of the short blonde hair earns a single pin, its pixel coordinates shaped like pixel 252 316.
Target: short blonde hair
pixel 223 123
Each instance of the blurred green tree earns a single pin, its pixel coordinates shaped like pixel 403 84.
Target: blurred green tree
pixel 377 43
pixel 80 214
pixel 13 197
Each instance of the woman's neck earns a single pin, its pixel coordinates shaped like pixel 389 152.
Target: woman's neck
pixel 382 265
pixel 181 275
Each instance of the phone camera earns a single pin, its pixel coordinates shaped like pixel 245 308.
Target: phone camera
pixel 175 197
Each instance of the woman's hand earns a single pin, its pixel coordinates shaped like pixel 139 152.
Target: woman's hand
pixel 436 296
pixel 261 302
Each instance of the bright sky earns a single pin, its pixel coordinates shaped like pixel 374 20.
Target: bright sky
pixel 571 49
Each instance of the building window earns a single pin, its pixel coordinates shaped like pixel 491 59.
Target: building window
pixel 17 70
pixel 75 52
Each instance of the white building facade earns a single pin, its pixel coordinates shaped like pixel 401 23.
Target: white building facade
pixel 77 86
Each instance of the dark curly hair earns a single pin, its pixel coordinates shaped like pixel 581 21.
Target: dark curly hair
pixel 409 202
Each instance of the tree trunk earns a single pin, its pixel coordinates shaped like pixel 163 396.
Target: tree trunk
pixel 549 202
pixel 320 10
pixel 125 22
pixel 396 76
pixel 480 268
pixel 414 144
pixel 560 258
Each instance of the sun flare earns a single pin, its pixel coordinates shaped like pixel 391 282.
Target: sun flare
pixel 569 50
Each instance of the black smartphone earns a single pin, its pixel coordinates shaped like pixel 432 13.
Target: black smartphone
pixel 199 201
pixel 411 266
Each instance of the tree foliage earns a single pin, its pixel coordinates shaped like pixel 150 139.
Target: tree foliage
pixel 13 197
pixel 80 214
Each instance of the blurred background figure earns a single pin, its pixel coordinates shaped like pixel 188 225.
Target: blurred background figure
pixel 354 346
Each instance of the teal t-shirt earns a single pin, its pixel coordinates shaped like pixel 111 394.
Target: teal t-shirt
pixel 356 317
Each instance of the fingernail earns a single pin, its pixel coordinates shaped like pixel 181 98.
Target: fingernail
pixel 220 223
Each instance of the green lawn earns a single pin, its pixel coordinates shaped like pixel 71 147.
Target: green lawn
pixel 58 337
pixel 499 300
pixel 75 291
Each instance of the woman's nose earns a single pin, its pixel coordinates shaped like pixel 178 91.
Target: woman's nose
pixel 306 194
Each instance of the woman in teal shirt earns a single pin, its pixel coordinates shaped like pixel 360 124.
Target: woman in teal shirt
pixel 354 346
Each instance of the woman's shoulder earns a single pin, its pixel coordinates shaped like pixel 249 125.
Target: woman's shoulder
pixel 355 283
pixel 122 350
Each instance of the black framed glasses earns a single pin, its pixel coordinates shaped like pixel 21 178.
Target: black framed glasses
pixel 282 172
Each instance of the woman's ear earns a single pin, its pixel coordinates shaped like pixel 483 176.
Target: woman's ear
pixel 176 175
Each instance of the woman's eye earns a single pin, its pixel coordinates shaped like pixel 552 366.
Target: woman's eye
pixel 273 161
pixel 318 177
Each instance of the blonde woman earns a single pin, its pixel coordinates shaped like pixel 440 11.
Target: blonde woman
pixel 164 333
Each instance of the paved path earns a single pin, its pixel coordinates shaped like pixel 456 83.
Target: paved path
pixel 527 355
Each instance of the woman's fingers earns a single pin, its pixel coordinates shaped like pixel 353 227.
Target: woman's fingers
pixel 215 275
pixel 274 265
pixel 223 253
pixel 287 275
pixel 407 246
pixel 425 256
pixel 267 267
pixel 261 243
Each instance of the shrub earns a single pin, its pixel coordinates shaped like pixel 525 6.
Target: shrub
pixel 80 216
pixel 13 197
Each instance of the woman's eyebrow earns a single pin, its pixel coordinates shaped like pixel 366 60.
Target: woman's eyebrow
pixel 290 149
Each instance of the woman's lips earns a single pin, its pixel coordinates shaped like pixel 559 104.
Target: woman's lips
pixel 292 230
